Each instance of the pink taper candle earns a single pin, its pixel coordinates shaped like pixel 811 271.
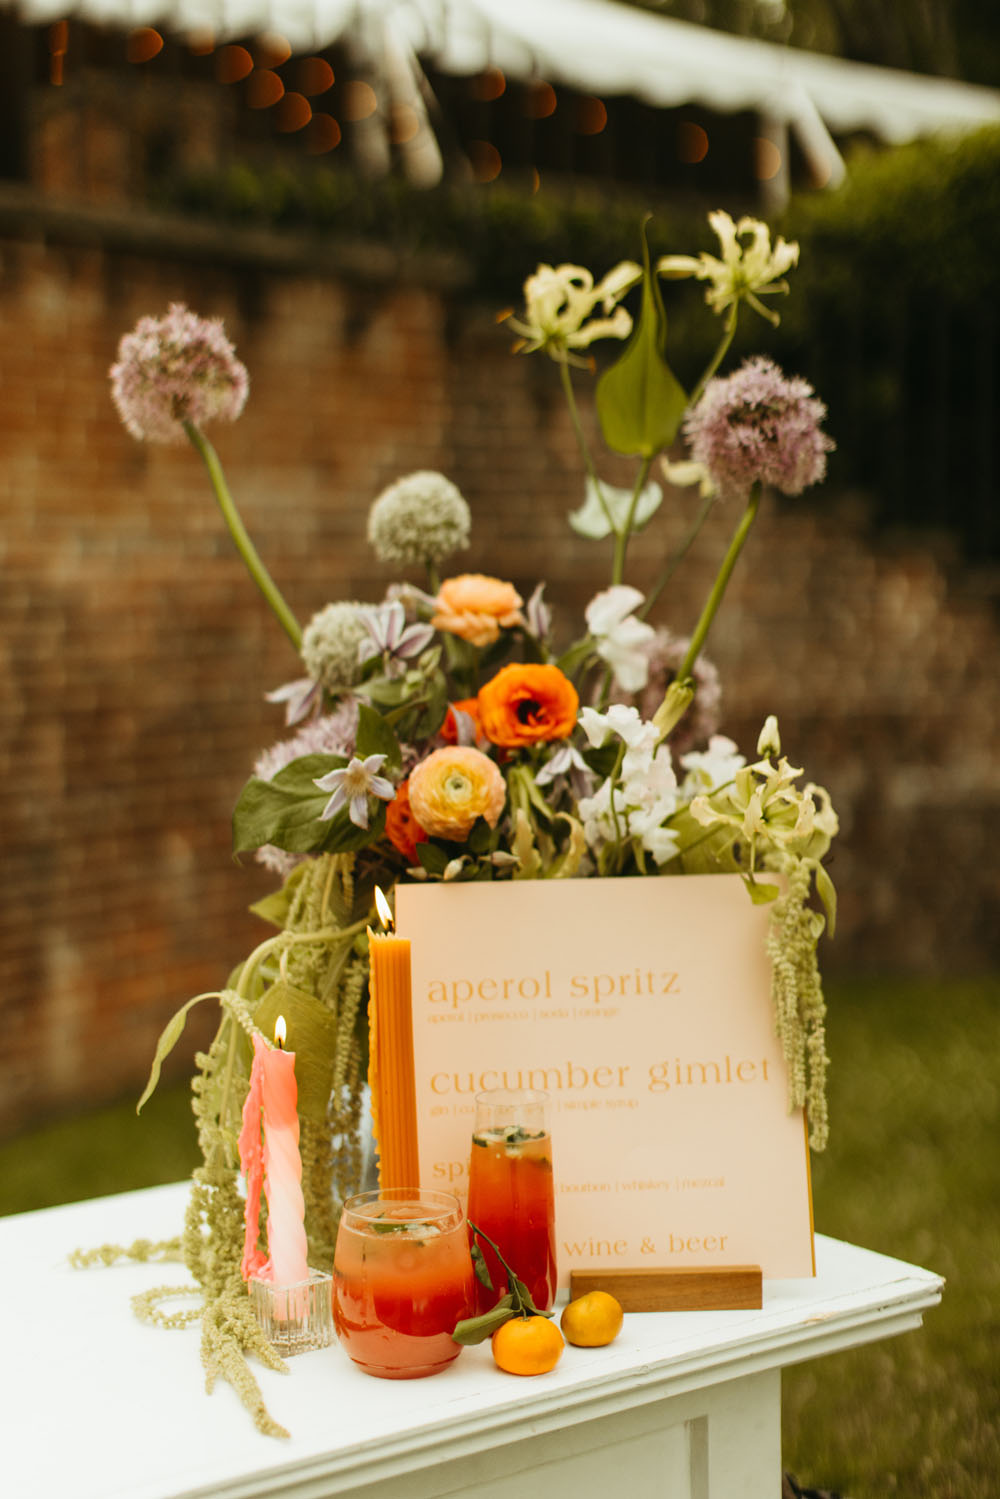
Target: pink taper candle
pixel 274 1076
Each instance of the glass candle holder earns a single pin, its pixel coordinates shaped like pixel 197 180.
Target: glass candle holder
pixel 511 1193
pixel 296 1318
pixel 402 1279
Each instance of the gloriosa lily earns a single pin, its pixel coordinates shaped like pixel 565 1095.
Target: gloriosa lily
pixel 559 303
pixel 745 272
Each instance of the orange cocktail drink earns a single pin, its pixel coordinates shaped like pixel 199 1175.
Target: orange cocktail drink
pixel 402 1279
pixel 511 1194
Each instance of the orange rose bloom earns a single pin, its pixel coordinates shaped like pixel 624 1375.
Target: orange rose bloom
pixel 449 729
pixel 474 607
pixel 401 827
pixel 528 704
pixel 454 786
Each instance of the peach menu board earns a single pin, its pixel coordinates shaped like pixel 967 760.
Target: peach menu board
pixel 643 1007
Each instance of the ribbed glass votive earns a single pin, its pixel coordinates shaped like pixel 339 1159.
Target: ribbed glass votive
pixel 297 1318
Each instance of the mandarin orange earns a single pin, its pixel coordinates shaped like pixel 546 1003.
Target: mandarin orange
pixel 527 1345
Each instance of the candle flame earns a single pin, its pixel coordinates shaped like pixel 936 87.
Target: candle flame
pixel 384 910
pixel 280 1032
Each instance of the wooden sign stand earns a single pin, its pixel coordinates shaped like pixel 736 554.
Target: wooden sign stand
pixel 693 1289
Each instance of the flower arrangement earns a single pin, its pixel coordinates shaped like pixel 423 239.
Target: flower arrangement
pixel 446 733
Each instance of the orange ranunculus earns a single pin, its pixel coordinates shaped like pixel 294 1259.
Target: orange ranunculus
pixel 449 729
pixel 475 606
pixel 527 704
pixel 401 827
pixel 454 786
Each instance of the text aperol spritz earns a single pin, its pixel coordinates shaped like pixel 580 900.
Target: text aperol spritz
pixel 402 1279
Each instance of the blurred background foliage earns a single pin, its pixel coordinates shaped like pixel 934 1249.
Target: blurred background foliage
pixel 892 313
pixel 957 38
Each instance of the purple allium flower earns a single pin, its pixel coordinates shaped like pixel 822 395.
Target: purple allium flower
pixel 174 369
pixel 333 734
pixel 758 425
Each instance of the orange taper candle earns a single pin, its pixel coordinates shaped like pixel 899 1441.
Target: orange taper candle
pixel 390 1069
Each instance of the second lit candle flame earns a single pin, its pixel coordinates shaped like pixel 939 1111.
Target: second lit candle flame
pixel 384 910
pixel 280 1032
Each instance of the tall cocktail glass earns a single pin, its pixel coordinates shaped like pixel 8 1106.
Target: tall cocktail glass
pixel 402 1279
pixel 511 1195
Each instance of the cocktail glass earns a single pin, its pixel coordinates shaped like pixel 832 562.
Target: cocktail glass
pixel 511 1195
pixel 402 1279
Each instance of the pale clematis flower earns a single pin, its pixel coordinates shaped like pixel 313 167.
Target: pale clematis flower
pixel 566 760
pixel 301 697
pixel 622 641
pixel 597 520
pixel 353 784
pixel 559 304
pixel 391 637
pixel 746 271
pixel 537 614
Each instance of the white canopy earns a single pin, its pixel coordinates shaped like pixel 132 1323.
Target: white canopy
pixel 594 46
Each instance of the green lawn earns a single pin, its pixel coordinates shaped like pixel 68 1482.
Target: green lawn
pixel 912 1170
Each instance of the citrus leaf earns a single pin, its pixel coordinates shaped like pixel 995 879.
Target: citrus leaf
pixel 480 1267
pixel 473 1330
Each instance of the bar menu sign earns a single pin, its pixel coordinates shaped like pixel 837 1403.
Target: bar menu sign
pixel 642 1006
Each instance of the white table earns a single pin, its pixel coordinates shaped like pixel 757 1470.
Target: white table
pixel 96 1405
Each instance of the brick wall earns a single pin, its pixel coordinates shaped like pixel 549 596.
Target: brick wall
pixel 135 651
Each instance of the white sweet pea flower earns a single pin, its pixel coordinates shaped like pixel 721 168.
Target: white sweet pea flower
pixel 624 722
pixel 635 808
pixel 559 303
pixel 709 769
pixel 622 640
pixel 597 521
pixel 746 271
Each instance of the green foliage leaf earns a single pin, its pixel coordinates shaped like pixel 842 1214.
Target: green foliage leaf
pixel 828 895
pixel 432 856
pixel 311 1034
pixel 640 401
pixel 376 736
pixel 169 1037
pixel 761 895
pixel 286 811
pixel 482 839
pixel 276 906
